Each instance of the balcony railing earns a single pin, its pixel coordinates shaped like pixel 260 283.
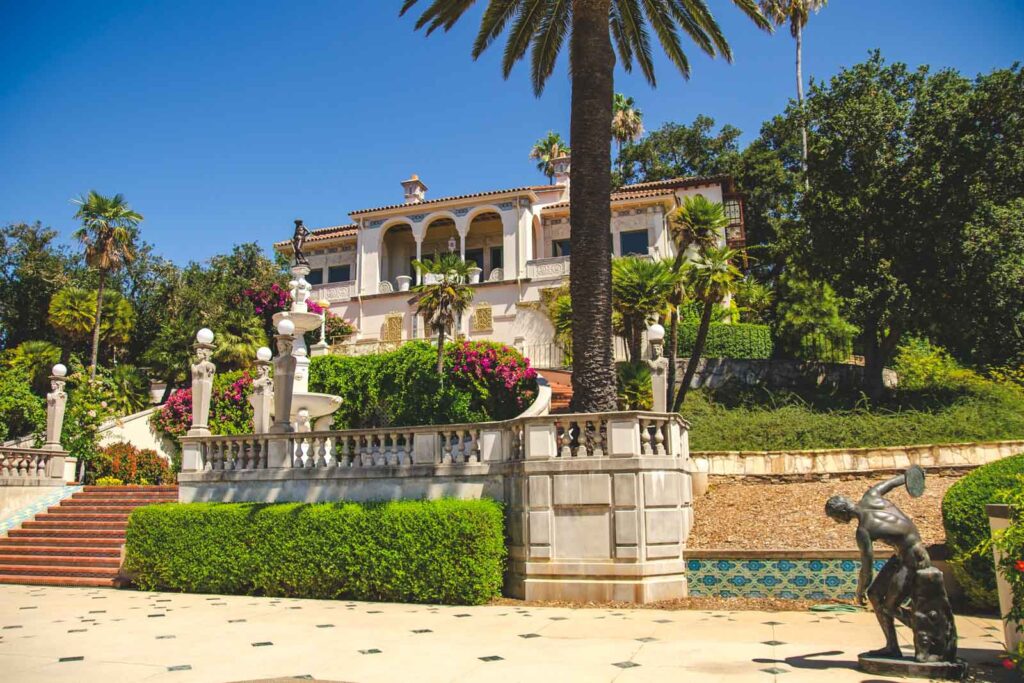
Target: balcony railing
pixel 334 291
pixel 548 268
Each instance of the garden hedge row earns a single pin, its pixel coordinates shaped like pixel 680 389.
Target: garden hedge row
pixel 732 340
pixel 967 526
pixel 443 551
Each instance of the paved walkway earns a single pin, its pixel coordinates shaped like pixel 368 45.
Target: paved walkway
pixel 83 635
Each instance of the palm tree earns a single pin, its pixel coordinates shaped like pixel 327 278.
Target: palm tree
pixel 545 150
pixel 627 121
pixel 72 312
pixel 35 359
pixel 641 289
pixel 796 13
pixel 592 27
pixel 443 301
pixel 108 232
pixel 128 389
pixel 698 223
pixel 714 277
pixel 239 336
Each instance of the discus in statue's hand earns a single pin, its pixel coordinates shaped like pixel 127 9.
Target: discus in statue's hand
pixel 915 481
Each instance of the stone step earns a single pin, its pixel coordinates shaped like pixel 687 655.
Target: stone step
pixel 74 524
pixel 93 506
pixel 125 496
pixel 56 580
pixel 41 550
pixel 51 541
pixel 173 488
pixel 77 570
pixel 62 514
pixel 8 559
pixel 72 534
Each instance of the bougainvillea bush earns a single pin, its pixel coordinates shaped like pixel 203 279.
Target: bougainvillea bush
pixel 1010 543
pixel 130 465
pixel 267 302
pixel 499 377
pixel 230 410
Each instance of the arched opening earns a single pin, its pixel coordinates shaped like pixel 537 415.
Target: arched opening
pixel 485 244
pixel 438 236
pixel 398 250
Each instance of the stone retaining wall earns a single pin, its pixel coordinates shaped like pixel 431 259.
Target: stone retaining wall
pixel 842 460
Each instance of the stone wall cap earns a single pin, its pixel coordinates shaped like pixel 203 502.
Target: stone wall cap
pixel 998 511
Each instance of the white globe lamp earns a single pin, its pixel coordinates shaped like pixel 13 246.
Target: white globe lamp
pixel 204 336
pixel 286 327
pixel 60 370
pixel 264 354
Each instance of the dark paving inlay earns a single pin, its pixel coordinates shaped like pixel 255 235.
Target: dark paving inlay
pixel 625 665
pixel 70 659
pixel 155 615
pixel 235 621
pixel 304 677
pixel 30 607
pixel 165 637
pixel 775 671
pixel 180 667
pixel 374 611
pixel 529 635
pixel 97 611
pixel 295 608
pixel 77 630
pixel 491 658
pixel 647 639
pixel 772 623
pixel 263 644
pixel 371 651
pixel 422 630
pixel 773 643
pixel 662 621
pixel 325 625
pixel 10 627
pixel 558 618
pixel 463 615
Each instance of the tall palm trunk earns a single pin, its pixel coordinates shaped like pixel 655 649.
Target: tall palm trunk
pixel 96 325
pixel 673 334
pixel 592 64
pixel 440 351
pixel 698 349
pixel 800 102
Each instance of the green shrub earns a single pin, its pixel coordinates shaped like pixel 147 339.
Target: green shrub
pixel 109 481
pixel 131 465
pixel 21 412
pixel 403 388
pixel 729 340
pixel 442 551
pixel 923 366
pixel 967 529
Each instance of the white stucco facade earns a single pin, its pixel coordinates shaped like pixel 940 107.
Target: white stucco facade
pixel 517 237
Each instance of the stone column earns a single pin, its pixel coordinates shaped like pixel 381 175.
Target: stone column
pixel 56 401
pixel 262 392
pixel 203 371
pixel 284 377
pixel 419 257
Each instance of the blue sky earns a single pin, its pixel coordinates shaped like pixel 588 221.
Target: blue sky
pixel 223 121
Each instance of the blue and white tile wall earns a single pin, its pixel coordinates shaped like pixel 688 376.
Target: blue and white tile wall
pixel 809 579
pixel 14 520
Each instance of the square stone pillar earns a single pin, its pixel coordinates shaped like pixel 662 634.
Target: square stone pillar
pixel 56 401
pixel 203 371
pixel 262 395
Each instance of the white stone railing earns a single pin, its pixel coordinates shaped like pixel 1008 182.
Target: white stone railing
pixel 545 437
pixel 334 291
pixel 548 268
pixel 31 464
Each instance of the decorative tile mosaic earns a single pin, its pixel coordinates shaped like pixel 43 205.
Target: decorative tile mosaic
pixel 14 520
pixel 814 579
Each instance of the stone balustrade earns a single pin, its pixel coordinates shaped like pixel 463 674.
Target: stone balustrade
pixel 554 268
pixel 31 465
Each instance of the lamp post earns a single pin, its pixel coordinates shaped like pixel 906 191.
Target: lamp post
pixel 202 387
pixel 321 347
pixel 262 391
pixel 56 400
pixel 659 367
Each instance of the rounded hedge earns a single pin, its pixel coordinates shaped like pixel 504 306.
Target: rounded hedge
pixel 967 527
pixel 729 340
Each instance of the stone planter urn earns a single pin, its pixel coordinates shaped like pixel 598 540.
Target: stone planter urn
pixel 403 283
pixel 430 278
pixel 474 275
pixel 998 519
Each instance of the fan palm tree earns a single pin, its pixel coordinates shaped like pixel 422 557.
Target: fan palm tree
pixel 714 277
pixel 627 121
pixel 795 13
pixel 72 312
pixel 239 336
pixel 593 26
pixel 35 359
pixel 641 289
pixel 698 223
pixel 545 150
pixel 108 231
pixel 128 389
pixel 443 301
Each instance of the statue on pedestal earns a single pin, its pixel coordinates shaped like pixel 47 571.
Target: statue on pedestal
pixel 298 241
pixel 907 577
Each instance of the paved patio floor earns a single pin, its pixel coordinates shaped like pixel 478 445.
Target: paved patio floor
pixel 84 635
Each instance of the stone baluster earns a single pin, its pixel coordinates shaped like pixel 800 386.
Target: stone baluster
pixel 645 437
pixel 321 452
pixel 366 450
pixel 446 449
pixel 410 440
pixel 341 448
pixel 474 445
pixel 203 371
pixel 599 436
pixel 566 441
pixel 659 437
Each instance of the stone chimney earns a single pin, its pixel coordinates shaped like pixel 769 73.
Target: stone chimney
pixel 561 166
pixel 415 190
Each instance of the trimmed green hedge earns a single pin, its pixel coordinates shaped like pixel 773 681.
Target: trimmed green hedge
pixel 442 551
pixel 732 340
pixel 967 527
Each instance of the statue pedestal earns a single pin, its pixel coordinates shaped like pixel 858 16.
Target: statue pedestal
pixel 910 668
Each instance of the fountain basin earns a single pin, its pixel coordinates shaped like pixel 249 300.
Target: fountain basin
pixel 304 321
pixel 315 406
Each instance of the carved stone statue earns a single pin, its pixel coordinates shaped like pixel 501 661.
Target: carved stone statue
pixel 298 241
pixel 908 576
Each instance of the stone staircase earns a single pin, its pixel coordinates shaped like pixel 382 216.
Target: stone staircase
pixel 79 542
pixel 561 390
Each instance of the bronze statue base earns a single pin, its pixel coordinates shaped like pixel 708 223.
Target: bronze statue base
pixel 910 668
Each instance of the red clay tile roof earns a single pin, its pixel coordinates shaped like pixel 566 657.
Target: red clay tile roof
pixel 527 188
pixel 324 234
pixel 620 197
pixel 675 182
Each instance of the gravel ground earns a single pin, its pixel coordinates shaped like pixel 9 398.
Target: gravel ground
pixel 758 515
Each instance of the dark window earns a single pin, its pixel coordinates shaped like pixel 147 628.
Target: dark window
pixel 560 248
pixel 497 258
pixel 339 273
pixel 633 242
pixel 316 276
pixel 476 256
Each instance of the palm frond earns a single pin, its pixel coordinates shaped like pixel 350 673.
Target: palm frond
pixel 660 17
pixel 548 42
pixel 527 23
pixel 495 18
pixel 636 33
